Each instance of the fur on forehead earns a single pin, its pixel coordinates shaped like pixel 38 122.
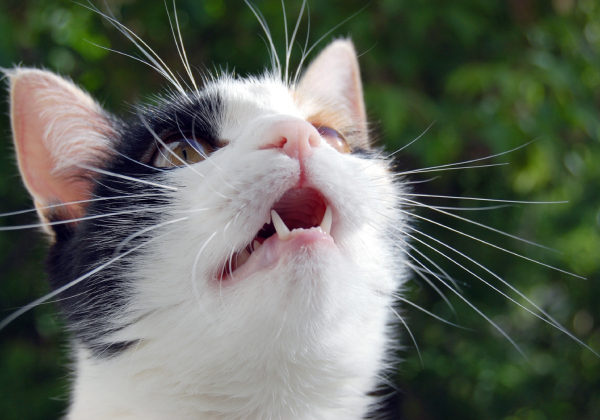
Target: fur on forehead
pixel 329 93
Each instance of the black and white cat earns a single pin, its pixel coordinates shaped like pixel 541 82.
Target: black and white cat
pixel 231 253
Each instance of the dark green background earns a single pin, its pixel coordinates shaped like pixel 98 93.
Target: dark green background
pixel 492 74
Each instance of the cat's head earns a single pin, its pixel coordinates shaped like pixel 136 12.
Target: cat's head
pixel 243 229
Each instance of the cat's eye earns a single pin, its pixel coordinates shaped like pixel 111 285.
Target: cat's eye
pixel 334 138
pixel 179 151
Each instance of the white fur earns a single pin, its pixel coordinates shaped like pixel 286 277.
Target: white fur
pixel 305 339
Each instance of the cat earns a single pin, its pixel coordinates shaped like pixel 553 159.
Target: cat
pixel 217 256
pixel 186 289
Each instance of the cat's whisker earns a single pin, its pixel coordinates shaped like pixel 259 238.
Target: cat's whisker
pixel 131 237
pixel 129 178
pixel 137 161
pixel 464 219
pixel 484 208
pixel 15 213
pixel 288 52
pixel 79 219
pixel 287 45
pixel 275 63
pixel 486 157
pixel 194 276
pixel 192 210
pixel 421 181
pixel 549 319
pixel 421 270
pixel 409 332
pixel 441 169
pixel 495 246
pixel 464 299
pixel 437 290
pixel 304 53
pixel 179 45
pixel 479 199
pixel 502 206
pixel 67 286
pixel 321 39
pixel 146 50
pixel 411 142
pixel 439 318
pixel 158 70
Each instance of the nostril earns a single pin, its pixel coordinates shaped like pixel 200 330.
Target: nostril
pixel 278 143
pixel 295 138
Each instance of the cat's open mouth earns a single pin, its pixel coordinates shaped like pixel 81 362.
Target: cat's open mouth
pixel 299 212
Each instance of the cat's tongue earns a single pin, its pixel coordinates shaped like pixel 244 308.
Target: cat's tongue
pixel 274 249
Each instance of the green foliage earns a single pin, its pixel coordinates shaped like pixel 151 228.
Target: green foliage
pixel 491 76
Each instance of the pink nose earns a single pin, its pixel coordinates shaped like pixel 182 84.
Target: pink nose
pixel 297 138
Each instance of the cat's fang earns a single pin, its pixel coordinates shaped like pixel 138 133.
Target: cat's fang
pixel 282 230
pixel 327 221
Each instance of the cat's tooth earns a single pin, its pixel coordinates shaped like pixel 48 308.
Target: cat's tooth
pixel 282 230
pixel 255 245
pixel 327 221
pixel 242 257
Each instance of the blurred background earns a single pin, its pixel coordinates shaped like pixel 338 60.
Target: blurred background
pixel 489 75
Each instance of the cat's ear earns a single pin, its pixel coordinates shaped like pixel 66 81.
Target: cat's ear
pixel 56 128
pixel 334 78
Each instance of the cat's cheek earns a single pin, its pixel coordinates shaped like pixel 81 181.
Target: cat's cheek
pixel 305 246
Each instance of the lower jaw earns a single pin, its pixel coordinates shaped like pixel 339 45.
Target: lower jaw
pixel 274 250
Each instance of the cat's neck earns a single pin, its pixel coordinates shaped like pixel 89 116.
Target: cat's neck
pixel 281 384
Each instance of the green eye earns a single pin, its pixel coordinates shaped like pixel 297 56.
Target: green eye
pixel 178 152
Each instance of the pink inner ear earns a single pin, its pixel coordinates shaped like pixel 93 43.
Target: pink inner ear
pixel 334 77
pixel 56 126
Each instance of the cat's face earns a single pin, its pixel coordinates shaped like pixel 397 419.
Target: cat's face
pixel 236 251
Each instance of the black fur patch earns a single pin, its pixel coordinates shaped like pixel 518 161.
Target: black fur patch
pixel 89 305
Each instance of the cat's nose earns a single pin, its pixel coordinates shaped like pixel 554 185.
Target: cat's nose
pixel 296 138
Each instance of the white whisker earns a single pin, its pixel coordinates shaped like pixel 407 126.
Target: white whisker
pixel 409 332
pixel 275 63
pixel 405 146
pixel 440 169
pixel 58 291
pixel 158 63
pixel 195 266
pixel 483 199
pixel 322 38
pixel 79 219
pixel 496 326
pixel 129 178
pixel 125 241
pixel 288 52
pixel 464 219
pixel 550 320
pixel 400 298
pixel 15 213
pixel 498 247
pixel 181 51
